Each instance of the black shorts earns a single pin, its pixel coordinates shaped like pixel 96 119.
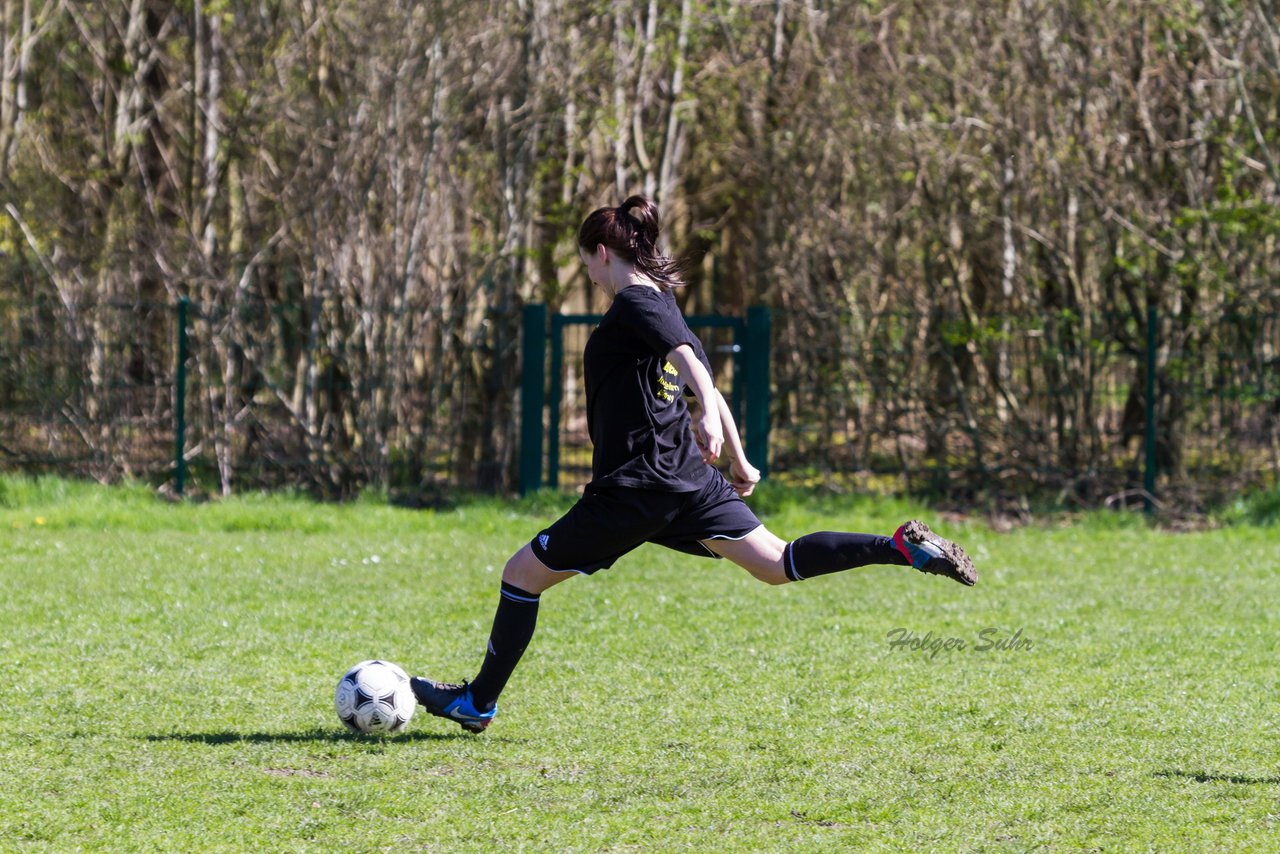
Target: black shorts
pixel 608 522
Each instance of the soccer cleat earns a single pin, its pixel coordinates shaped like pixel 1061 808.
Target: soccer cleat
pixel 453 702
pixel 932 554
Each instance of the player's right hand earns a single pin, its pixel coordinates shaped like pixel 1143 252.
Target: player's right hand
pixel 743 477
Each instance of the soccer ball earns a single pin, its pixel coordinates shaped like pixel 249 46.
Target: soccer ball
pixel 374 697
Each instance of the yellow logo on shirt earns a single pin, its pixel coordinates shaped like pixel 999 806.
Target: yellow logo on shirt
pixel 666 390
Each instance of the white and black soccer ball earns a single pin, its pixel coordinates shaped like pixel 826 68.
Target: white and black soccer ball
pixel 374 697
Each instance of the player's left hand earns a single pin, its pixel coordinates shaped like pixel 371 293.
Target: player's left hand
pixel 743 477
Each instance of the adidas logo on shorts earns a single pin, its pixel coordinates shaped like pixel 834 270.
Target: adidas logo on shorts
pixel 543 539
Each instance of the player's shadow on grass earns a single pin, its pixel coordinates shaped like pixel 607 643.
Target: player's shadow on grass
pixel 229 737
pixel 1221 778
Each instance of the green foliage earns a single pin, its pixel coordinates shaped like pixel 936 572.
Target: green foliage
pixel 867 157
pixel 18 492
pixel 1258 507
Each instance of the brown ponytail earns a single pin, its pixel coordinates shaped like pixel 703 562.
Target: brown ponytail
pixel 631 230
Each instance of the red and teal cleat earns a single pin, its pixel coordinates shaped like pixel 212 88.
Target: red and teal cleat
pixel 930 553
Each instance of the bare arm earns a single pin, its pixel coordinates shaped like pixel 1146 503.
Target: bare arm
pixel 708 428
pixel 742 475
pixel 732 441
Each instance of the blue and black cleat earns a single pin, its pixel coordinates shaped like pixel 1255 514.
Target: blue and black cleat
pixel 453 702
pixel 932 554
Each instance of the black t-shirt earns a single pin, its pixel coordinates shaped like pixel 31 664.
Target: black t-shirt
pixel 639 424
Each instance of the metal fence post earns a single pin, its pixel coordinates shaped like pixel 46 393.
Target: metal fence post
pixel 759 323
pixel 739 391
pixel 180 402
pixel 533 352
pixel 1149 469
pixel 557 397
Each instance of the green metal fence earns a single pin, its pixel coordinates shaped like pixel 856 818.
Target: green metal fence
pixel 1145 407
pixel 255 395
pixel 82 392
pixel 1124 408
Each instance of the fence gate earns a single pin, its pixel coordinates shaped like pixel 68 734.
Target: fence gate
pixel 554 414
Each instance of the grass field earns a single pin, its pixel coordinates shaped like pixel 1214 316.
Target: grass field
pixel 168 679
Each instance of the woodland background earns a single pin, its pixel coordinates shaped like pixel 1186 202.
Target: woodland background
pixel 961 214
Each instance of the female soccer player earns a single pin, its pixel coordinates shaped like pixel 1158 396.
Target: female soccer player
pixel 652 479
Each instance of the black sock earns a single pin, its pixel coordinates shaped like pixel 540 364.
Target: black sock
pixel 827 551
pixel 512 628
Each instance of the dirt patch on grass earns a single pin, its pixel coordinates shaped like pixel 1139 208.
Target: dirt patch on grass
pixel 295 772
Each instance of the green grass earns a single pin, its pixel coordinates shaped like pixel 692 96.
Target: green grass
pixel 168 678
